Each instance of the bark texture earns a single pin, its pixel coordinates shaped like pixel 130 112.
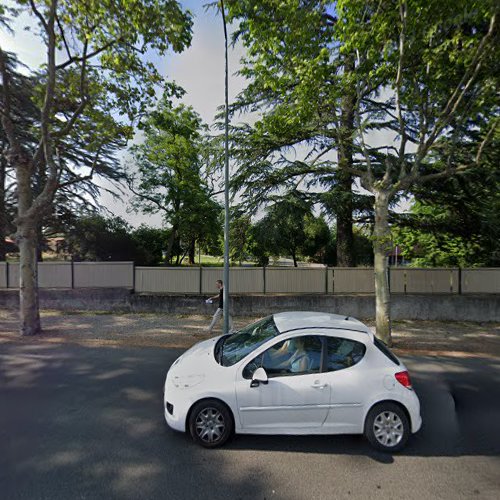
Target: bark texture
pixel 381 245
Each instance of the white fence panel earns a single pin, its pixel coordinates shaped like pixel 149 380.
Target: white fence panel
pixel 13 275
pixel 353 280
pixel 253 280
pixel 3 274
pixel 50 274
pixel 103 274
pixel 245 280
pixel 484 280
pixel 241 280
pixel 167 279
pixel 398 279
pixel 431 280
pixel 295 280
pixel 209 276
pixel 54 275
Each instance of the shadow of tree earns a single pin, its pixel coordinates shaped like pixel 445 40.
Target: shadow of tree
pixel 80 421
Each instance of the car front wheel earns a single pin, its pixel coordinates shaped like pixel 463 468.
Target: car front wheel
pixel 210 423
pixel 387 427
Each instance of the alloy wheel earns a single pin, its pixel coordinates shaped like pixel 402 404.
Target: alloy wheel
pixel 388 429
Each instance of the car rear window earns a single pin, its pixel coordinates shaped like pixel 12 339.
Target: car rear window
pixel 385 350
pixel 343 353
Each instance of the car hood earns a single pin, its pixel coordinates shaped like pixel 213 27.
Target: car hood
pixel 196 360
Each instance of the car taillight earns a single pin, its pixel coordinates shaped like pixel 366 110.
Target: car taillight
pixel 404 379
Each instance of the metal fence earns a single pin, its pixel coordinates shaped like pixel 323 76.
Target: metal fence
pixel 255 280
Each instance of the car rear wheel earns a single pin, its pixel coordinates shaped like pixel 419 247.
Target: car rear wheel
pixel 210 423
pixel 387 427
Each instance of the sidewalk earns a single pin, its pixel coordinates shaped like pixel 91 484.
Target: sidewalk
pixel 182 331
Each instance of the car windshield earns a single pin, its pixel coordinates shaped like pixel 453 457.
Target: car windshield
pixel 235 347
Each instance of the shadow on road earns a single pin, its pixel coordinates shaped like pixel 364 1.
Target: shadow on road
pixel 83 421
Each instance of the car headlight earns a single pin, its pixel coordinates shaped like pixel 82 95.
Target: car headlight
pixel 176 362
pixel 186 381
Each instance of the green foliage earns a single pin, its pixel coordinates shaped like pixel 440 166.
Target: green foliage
pixel 96 238
pixel 149 242
pixel 169 178
pixel 293 67
pixel 239 237
pixel 289 229
pixel 363 247
pixel 316 239
pixel 456 222
pixel 86 153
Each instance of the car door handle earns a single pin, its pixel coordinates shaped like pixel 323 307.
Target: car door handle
pixel 318 385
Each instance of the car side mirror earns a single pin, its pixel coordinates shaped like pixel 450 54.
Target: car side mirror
pixel 259 377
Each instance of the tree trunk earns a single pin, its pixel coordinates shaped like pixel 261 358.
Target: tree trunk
pixel 28 282
pixel 345 253
pixel 170 245
pixel 27 242
pixel 381 245
pixel 345 245
pixel 3 211
pixel 191 255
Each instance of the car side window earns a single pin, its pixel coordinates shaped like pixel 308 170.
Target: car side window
pixel 343 353
pixel 296 356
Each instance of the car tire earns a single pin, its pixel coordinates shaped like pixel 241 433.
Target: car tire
pixel 387 427
pixel 210 423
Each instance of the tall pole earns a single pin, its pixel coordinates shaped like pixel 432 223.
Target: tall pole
pixel 227 305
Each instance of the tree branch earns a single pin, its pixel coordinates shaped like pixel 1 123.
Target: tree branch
pixel 148 198
pixel 90 55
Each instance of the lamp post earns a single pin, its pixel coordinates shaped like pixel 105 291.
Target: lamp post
pixel 226 182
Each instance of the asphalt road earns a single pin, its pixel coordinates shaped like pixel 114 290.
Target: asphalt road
pixel 86 422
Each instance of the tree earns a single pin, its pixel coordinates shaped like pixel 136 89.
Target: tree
pixel 26 114
pixel 422 71
pixel 289 228
pixel 94 60
pixel 74 156
pixel 169 177
pixel 97 238
pixel 455 221
pixel 412 73
pixel 292 65
pixel 150 242
pixel 239 239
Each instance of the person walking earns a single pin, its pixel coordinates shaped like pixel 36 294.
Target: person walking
pixel 220 309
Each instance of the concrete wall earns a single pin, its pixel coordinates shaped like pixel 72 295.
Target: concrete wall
pixel 424 307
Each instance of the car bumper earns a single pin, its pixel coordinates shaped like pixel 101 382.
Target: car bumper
pixel 413 406
pixel 174 410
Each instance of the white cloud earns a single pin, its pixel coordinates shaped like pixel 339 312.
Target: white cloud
pixel 22 42
pixel 200 68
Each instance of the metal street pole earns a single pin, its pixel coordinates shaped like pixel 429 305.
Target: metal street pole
pixel 227 305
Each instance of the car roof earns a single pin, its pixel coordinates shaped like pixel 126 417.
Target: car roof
pixel 298 320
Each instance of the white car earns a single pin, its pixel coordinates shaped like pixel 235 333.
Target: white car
pixel 293 373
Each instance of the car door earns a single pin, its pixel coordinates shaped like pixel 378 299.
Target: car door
pixel 297 395
pixel 348 379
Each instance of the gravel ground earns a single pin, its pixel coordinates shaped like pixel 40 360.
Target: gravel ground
pixel 172 330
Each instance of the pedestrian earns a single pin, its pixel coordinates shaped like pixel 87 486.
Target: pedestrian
pixel 220 309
